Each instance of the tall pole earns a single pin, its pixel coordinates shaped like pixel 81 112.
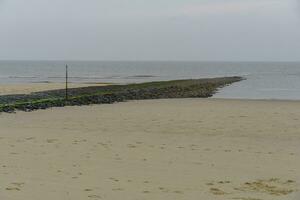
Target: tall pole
pixel 66 82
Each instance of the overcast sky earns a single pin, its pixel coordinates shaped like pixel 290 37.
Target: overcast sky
pixel 232 30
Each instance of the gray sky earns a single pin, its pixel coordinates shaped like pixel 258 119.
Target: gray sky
pixel 240 30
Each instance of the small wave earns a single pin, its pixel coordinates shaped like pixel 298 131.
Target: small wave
pixel 112 77
pixel 277 89
pixel 141 76
pixel 41 82
pixel 75 77
pixel 22 77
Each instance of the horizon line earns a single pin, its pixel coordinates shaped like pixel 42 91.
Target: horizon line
pixel 144 60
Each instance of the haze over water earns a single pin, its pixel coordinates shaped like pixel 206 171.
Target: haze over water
pixel 264 80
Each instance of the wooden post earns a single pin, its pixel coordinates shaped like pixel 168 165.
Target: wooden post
pixel 66 82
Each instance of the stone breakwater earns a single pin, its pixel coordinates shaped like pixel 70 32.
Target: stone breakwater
pixel 196 88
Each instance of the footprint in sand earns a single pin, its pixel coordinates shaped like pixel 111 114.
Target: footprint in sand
pixel 217 191
pixel 162 189
pixel 114 179
pixel 104 145
pixel 178 192
pixel 51 140
pixel 75 142
pixel 15 187
pixel 273 186
pixel 131 146
pixel 210 184
pixel 224 182
pixel 95 197
pixel 30 138
pixel 117 189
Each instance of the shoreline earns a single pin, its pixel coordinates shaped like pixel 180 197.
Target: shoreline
pixel 42 87
pixel 27 88
pixel 263 100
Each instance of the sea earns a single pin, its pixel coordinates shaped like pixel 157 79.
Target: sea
pixel 263 80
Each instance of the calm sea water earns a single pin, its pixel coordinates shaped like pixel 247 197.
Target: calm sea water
pixel 265 80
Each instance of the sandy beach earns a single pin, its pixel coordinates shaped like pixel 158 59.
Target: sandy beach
pixel 150 100
pixel 7 89
pixel 153 149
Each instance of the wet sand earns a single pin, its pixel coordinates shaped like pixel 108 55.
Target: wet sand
pixel 156 149
pixel 6 89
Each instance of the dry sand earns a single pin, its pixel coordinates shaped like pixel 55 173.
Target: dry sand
pixel 159 149
pixel 6 89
